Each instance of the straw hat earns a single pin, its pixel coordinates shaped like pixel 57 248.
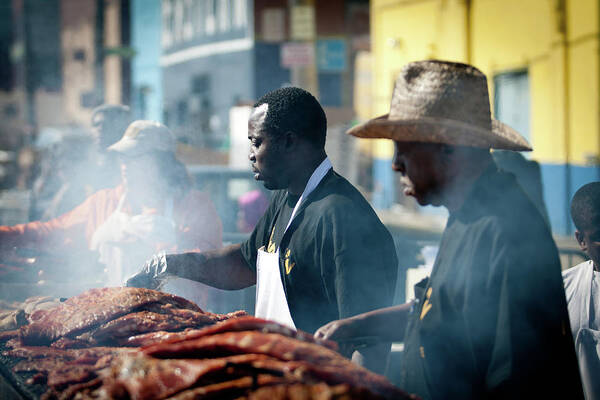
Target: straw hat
pixel 142 137
pixel 442 102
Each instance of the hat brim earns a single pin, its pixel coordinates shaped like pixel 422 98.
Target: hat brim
pixel 442 131
pixel 128 147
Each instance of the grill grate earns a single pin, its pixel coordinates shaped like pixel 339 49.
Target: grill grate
pixel 18 381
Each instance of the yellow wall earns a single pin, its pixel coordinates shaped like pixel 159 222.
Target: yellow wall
pixel 504 35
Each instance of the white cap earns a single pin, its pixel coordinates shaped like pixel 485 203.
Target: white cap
pixel 142 137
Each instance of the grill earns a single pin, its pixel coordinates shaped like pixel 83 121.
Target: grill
pixel 14 385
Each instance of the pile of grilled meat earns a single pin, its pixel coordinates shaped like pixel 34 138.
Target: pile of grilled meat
pixel 129 343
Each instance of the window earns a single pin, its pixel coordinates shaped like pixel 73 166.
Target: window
pixel 182 112
pixel 178 21
pixel 198 11
pixel 511 100
pixel 210 25
pixel 240 14
pixel 188 28
pixel 224 17
pixel 167 22
pixel 201 87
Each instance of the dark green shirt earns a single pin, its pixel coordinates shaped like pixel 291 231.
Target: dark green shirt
pixel 336 259
pixel 492 322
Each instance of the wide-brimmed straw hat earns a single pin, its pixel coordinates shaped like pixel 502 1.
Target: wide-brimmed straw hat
pixel 142 137
pixel 442 102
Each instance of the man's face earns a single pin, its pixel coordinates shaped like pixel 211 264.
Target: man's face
pixel 266 153
pixel 589 241
pixel 138 173
pixel 106 132
pixel 421 168
pixel 99 128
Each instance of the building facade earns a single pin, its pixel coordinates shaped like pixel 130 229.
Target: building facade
pixel 207 66
pixel 541 59
pixel 225 53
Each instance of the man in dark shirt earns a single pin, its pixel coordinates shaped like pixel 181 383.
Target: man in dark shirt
pixel 319 252
pixel 491 321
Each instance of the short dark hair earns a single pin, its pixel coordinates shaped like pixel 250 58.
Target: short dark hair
pixel 292 109
pixel 585 207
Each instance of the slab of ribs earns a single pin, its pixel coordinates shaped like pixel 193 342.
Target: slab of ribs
pixel 131 343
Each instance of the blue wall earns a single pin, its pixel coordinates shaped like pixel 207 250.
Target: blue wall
pixel 330 89
pixel 554 178
pixel 146 93
pixel 384 187
pixel 556 196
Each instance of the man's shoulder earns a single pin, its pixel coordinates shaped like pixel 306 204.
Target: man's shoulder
pixel 573 273
pixel 509 209
pixel 337 190
pixel 341 205
pixel 108 194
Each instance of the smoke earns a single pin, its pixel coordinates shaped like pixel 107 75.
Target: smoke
pixel 96 217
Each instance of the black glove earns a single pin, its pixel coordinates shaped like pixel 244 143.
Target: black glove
pixel 152 274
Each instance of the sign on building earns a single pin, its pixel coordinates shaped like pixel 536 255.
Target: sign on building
pixel 331 55
pixel 273 25
pixel 297 54
pixel 302 23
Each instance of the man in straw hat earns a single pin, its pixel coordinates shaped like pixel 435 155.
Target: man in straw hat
pixel 491 321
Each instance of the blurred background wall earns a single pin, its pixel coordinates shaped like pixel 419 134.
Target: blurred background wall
pixel 196 64
pixel 541 59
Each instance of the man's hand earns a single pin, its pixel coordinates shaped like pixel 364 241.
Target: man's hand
pixel 152 274
pixel 340 330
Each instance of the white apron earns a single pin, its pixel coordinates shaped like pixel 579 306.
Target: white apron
pixel 126 241
pixel 579 282
pixel 271 303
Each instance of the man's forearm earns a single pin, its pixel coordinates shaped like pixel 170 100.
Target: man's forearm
pixel 223 268
pixel 387 323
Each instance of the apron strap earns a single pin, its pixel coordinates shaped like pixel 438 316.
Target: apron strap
pixel 314 180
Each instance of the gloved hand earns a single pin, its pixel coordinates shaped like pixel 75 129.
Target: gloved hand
pixel 152 274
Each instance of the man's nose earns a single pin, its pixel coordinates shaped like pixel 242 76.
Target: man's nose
pixel 251 156
pixel 398 165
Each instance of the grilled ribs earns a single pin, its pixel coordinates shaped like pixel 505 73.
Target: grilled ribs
pixel 92 308
pixel 279 347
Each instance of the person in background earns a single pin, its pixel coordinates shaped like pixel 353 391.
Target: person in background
pixel 307 255
pixel 153 209
pixel 491 321
pixel 109 122
pixel 528 175
pixel 67 164
pixel 582 287
pixel 251 207
pixel 78 165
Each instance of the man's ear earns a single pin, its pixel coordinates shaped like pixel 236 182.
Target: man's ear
pixel 290 140
pixel 581 240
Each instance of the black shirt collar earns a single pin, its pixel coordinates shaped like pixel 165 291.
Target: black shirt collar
pixel 481 193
